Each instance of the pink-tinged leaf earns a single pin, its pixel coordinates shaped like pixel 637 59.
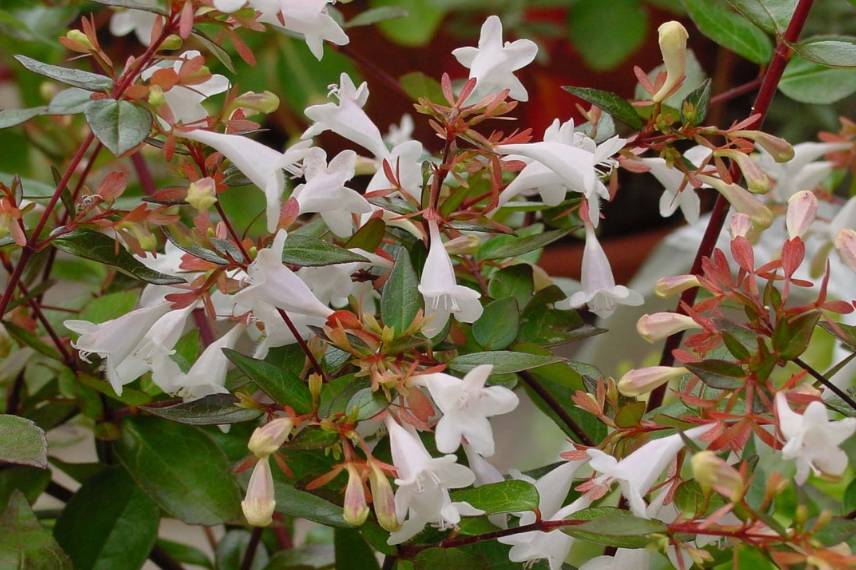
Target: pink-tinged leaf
pixel 741 249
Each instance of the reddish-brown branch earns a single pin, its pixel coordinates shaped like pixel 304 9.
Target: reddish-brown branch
pixel 735 92
pixel 303 346
pixel 144 175
pixel 231 229
pixel 766 92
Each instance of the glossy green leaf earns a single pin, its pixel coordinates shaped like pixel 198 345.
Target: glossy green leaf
pixel 28 480
pixel 34 341
pixel 828 51
pixel 417 29
pixel 232 548
pixel 308 251
pixel 109 523
pixel 376 15
pixel 626 20
pixel 215 409
pixel 609 102
pixel 447 559
pixel 352 552
pixel 503 361
pixel 277 382
pixel 119 125
pixel 96 246
pixel 498 325
pixel 730 30
pixel 515 281
pixel 809 82
pixel 22 442
pixel 791 336
pixel 13 117
pixel 184 553
pixel 419 85
pixel 512 496
pixel 24 543
pixel 505 246
pixel 296 503
pixel 719 374
pixel 614 527
pixel 772 16
pixel 181 468
pixel 401 300
pixel 312 438
pixel 67 75
pixel 694 106
pixel 216 50
pixel 366 404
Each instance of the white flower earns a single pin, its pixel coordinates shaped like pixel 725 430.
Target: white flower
pixel 443 296
pixel 325 192
pixel 812 439
pixel 423 485
pixel 623 559
pixel 600 292
pixel 801 172
pixel 333 284
pixel 466 404
pixel 483 469
pixel 141 22
pixel 638 472
pixel 676 193
pixel 168 262
pixel 259 503
pixel 405 162
pixel 576 161
pixel 555 545
pixel 400 133
pixel 347 118
pixel 493 63
pixel 262 165
pixel 185 102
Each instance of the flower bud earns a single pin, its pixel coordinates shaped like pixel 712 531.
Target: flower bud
pixel 742 201
pixel 757 181
pixel 156 96
pixel 643 380
pixel 739 226
pixel 172 42
pixel 845 243
pixel 675 284
pixel 383 499
pixel 265 102
pixel 79 39
pixel 356 509
pixel 802 208
pixel 673 46
pixel 270 437
pixel 712 472
pixel 658 326
pixel 259 503
pixel 202 194
pixel 780 149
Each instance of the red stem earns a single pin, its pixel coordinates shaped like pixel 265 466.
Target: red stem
pixel 144 175
pixel 766 92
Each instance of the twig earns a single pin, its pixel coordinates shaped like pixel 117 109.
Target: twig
pixel 252 546
pixel 200 319
pixel 532 382
pixel 144 175
pixel 305 347
pixel 163 560
pixel 820 378
pixel 735 92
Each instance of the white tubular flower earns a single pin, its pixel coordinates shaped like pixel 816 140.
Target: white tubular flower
pixel 623 559
pixel 259 503
pixel 802 209
pixel 673 45
pixel 400 133
pixel 347 118
pixel 801 172
pixel 483 469
pixel 272 283
pixel 493 63
pixel 676 194
pixel 642 380
pixel 185 102
pixel 157 344
pixel 308 18
pixel 325 192
pixel 423 484
pixel 141 22
pixel 845 244
pixel 405 160
pixel 168 262
pixel 116 340
pixel 638 472
pixel 553 546
pixel 658 326
pixel 675 284
pixel 263 165
pixel 466 406
pixel 741 200
pixel 443 296
pixel 600 292
pixel 812 439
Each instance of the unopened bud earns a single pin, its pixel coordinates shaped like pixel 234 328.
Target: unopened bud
pixel 741 200
pixel 270 437
pixel 80 39
pixel 316 383
pixel 383 498
pixel 264 102
pixel 802 208
pixel 658 326
pixel 739 226
pixel 259 503
pixel 156 96
pixel 172 42
pixel 673 45
pixel 756 180
pixel 712 472
pixel 202 194
pixel 356 509
pixel 845 243
pixel 642 380
pixel 780 149
pixel 675 284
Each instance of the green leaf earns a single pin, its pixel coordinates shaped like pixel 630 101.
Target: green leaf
pixel 376 15
pixel 809 82
pixel 609 102
pixel 24 544
pixel 278 383
pixel 74 77
pixel 308 251
pixel 119 125
pixel 366 404
pixel 184 553
pixel 505 246
pixel 352 552
pixel 13 117
pixel 296 503
pixel 447 559
pixel 849 502
pixel 503 361
pixel 626 20
pixel 108 524
pixel 312 438
pixel 512 496
pixel 836 531
pixel 498 325
pixel 719 374
pixel 336 394
pixel 614 527
pixel 181 468
pixel 26 338
pixel 791 336
pixel 215 409
pixel 96 246
pixel 417 29
pixel 828 51
pixel 419 85
pixel 516 281
pixel 730 30
pixel 232 548
pixel 308 557
pixel 70 101
pixel 401 299
pixel 28 480
pixel 215 49
pixel 133 5
pixel 771 16
pixel 109 306
pixel 22 442
pixel 694 107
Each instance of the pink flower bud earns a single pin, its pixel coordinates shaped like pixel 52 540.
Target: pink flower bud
pixel 741 200
pixel 845 243
pixel 757 181
pixel 270 437
pixel 675 284
pixel 643 380
pixel 739 226
pixel 802 208
pixel 259 503
pixel 712 472
pixel 356 509
pixel 658 326
pixel 780 149
pixel 383 498
pixel 202 194
pixel 673 45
